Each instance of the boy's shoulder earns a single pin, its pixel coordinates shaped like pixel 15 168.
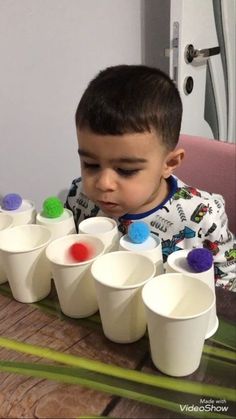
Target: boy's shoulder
pixel 187 192
pixel 188 206
pixel 195 203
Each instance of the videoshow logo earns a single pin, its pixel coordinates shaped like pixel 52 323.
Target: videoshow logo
pixel 206 406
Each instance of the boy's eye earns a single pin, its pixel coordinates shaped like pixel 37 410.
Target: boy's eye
pixel 120 171
pixel 90 166
pixel 127 172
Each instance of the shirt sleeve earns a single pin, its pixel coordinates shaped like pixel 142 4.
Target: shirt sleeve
pixel 220 241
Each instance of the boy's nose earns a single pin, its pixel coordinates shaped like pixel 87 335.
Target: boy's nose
pixel 105 181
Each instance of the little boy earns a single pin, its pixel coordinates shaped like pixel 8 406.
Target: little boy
pixel 128 124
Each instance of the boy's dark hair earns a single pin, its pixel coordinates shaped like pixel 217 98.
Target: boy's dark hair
pixel 131 98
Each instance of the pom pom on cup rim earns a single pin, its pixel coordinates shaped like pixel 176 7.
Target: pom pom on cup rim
pixel 200 259
pixel 52 207
pixel 138 232
pixel 11 202
pixel 80 252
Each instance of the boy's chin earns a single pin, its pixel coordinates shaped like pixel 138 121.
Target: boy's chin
pixel 112 211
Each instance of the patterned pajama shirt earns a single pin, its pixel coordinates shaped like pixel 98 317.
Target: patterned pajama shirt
pixel 186 219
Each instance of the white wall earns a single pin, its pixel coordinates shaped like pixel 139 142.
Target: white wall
pixel 50 49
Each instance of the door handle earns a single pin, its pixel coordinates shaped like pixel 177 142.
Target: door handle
pixel 192 53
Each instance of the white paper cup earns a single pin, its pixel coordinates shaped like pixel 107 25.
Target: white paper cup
pixel 150 248
pixel 6 221
pixel 119 277
pixel 178 309
pixel 177 262
pixel 104 228
pixel 60 226
pixel 25 262
pixel 25 214
pixel 73 280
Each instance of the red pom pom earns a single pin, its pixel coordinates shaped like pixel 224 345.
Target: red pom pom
pixel 80 252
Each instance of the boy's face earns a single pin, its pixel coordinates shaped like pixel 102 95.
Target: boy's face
pixel 124 173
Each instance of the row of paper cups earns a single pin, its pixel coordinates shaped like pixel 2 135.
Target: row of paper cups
pixel 106 229
pixel 102 227
pixel 27 214
pixel 121 284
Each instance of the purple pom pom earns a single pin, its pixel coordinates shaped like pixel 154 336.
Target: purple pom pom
pixel 11 202
pixel 200 259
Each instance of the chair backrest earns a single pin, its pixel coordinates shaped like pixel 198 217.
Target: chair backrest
pixel 210 165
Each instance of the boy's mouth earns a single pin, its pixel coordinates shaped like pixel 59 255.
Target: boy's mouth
pixel 107 203
pixel 112 209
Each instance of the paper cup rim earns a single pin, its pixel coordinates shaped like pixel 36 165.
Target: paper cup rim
pixel 40 218
pixel 90 219
pixel 157 278
pixel 74 264
pixel 19 212
pixel 123 287
pixel 153 235
pixel 27 226
pixel 184 271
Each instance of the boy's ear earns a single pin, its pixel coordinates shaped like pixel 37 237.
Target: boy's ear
pixel 172 161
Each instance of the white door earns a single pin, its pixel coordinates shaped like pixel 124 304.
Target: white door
pixel 202 62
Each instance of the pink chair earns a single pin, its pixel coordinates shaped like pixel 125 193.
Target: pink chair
pixel 210 165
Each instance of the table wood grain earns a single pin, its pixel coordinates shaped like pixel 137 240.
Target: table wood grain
pixel 44 325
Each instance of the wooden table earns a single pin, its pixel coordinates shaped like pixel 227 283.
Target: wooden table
pixel 36 383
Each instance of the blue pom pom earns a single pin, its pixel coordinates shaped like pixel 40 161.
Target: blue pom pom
pixel 11 201
pixel 138 232
pixel 200 259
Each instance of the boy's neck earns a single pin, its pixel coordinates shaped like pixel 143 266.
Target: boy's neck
pixel 161 195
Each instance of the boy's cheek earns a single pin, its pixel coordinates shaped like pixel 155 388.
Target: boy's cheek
pixel 86 185
pixel 90 190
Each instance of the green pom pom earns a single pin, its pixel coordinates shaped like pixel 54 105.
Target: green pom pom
pixel 52 207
